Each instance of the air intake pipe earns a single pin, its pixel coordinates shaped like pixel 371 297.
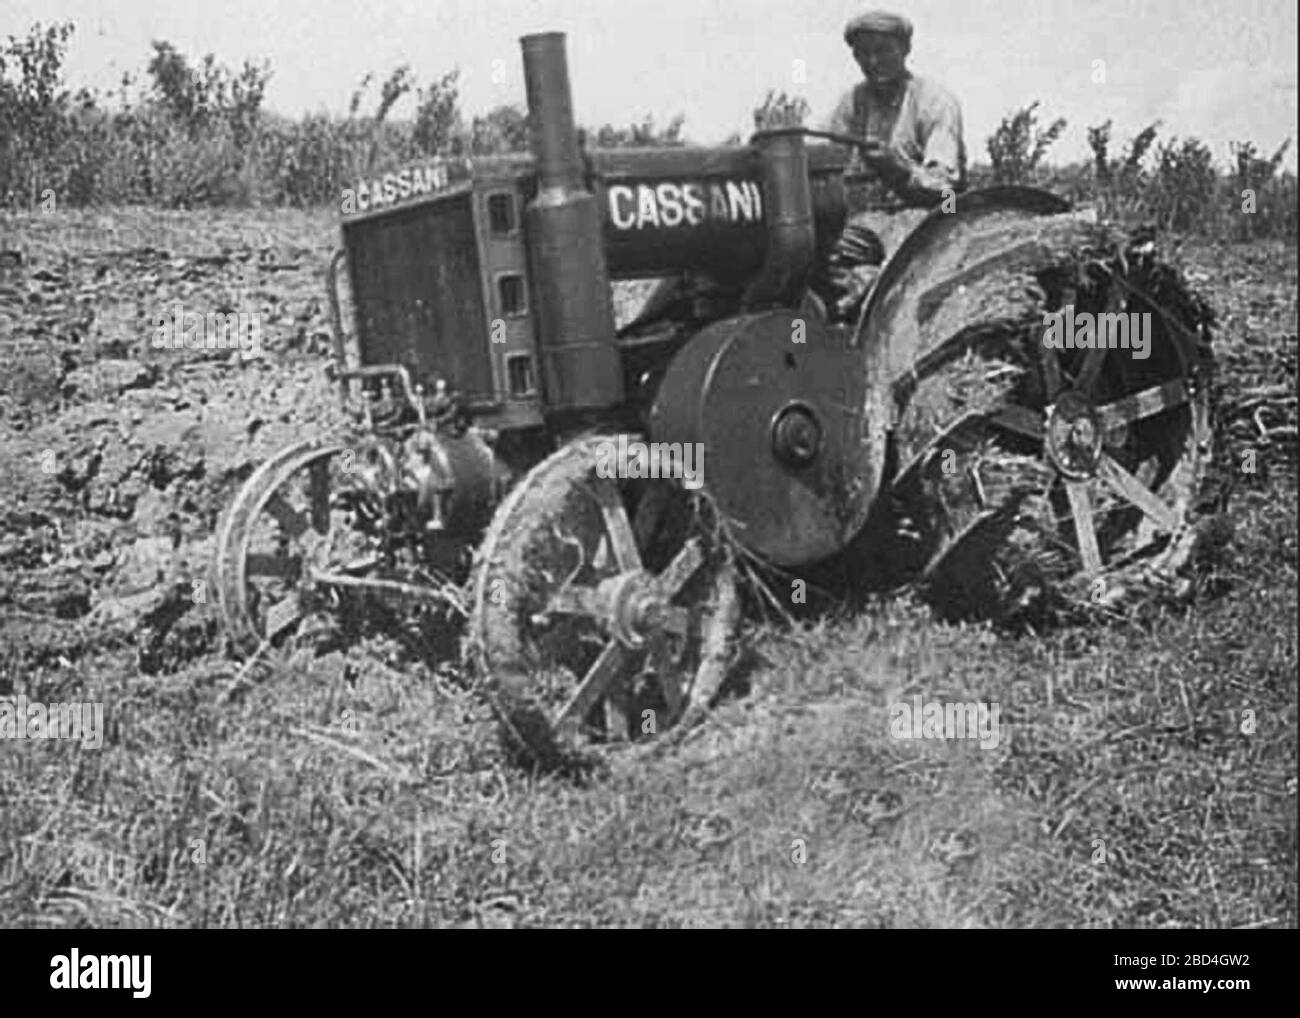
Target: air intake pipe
pixel 791 237
pixel 574 310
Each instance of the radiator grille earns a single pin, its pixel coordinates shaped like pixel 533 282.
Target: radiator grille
pixel 417 291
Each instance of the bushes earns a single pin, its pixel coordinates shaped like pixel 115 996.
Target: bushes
pixel 35 111
pixel 646 134
pixel 1182 191
pixel 1019 144
pixel 188 140
pixel 1272 194
pixel 197 135
pixel 1117 185
pixel 780 110
pixel 208 96
pixel 1174 185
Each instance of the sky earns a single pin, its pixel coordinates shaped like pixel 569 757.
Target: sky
pixel 1221 70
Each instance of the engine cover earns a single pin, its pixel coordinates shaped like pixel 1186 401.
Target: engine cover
pixel 777 402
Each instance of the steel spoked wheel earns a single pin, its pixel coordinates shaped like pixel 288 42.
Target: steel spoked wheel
pixel 603 609
pixel 1036 478
pixel 284 527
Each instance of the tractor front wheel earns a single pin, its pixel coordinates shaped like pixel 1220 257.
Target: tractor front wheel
pixel 603 609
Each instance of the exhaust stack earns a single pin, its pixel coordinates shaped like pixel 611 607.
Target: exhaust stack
pixel 791 236
pixel 581 367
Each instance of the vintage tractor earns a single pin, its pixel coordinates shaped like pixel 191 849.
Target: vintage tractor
pixel 520 464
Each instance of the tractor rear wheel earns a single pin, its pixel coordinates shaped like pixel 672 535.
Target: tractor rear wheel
pixel 1039 480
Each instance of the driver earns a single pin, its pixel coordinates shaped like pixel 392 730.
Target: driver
pixel 913 127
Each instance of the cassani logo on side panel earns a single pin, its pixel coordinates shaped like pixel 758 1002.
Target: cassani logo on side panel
pixel 684 203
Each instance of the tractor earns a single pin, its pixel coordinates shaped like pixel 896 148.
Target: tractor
pixel 513 455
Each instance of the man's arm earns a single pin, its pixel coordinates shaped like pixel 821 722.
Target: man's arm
pixel 944 161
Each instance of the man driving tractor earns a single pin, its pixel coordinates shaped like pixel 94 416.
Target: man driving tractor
pixel 915 151
pixel 914 158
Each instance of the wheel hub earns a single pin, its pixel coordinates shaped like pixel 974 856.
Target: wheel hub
pixel 1075 435
pixel 796 435
pixel 634 607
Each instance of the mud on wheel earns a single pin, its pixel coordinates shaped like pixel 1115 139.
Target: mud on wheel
pixel 602 609
pixel 1035 480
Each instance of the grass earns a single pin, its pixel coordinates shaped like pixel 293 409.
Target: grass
pixel 362 789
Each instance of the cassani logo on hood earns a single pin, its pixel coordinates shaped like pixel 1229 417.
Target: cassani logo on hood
pixel 392 188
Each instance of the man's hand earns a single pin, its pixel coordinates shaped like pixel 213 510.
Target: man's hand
pixel 887 161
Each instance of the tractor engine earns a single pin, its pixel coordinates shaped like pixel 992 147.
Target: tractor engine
pixel 489 301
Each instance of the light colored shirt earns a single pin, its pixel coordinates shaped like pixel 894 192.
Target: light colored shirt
pixel 922 121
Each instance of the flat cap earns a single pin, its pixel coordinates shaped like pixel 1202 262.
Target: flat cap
pixel 879 21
